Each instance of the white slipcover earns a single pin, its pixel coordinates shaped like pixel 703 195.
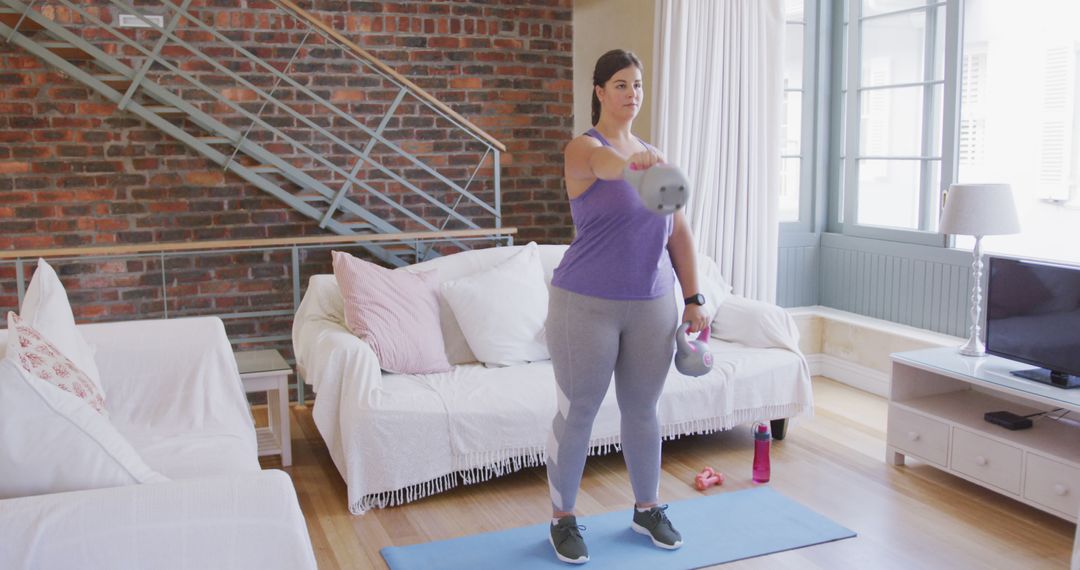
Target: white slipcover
pixel 248 520
pixel 396 438
pixel 175 394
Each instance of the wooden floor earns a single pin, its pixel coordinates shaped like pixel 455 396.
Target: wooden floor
pixel 906 517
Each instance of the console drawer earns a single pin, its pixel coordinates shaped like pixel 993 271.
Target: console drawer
pixel 989 461
pixel 919 435
pixel 1052 484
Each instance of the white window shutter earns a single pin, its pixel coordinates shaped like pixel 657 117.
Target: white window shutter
pixel 1056 161
pixel 972 142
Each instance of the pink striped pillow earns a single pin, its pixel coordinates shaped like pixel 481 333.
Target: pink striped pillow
pixel 395 312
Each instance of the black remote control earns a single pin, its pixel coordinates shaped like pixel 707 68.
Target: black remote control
pixel 1007 420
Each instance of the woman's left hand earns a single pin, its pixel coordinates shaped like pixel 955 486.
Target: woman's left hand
pixel 695 315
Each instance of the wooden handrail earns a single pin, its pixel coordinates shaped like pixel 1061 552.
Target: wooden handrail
pixel 248 243
pixel 311 19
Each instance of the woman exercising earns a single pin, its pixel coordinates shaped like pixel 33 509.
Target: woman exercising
pixel 611 309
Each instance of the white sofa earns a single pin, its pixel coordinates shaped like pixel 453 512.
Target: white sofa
pixel 396 438
pixel 173 392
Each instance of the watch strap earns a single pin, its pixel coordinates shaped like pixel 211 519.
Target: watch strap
pixel 696 299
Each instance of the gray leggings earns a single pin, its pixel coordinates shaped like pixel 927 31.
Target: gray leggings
pixel 589 338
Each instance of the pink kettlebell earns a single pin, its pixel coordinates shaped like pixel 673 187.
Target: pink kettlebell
pixel 692 357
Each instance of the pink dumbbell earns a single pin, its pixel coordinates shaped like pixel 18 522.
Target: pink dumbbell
pixel 707 478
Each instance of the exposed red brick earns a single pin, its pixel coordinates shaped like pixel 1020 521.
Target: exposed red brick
pixel 205 178
pixel 234 94
pixel 93 108
pixel 467 83
pixel 14 167
pixel 110 178
pixel 347 95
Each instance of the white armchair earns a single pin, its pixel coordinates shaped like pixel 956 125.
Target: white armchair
pixel 248 520
pixel 173 392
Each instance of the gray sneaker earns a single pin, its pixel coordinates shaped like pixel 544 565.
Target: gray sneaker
pixel 655 524
pixel 566 539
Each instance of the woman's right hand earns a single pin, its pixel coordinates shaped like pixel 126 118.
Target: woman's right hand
pixel 643 160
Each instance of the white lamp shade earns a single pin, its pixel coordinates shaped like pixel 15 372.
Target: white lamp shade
pixel 979 210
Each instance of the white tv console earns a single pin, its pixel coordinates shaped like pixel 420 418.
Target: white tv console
pixel 936 406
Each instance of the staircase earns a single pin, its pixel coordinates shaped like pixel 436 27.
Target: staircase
pixel 408 163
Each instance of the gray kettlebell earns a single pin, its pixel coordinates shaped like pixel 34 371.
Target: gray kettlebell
pixel 663 188
pixel 693 357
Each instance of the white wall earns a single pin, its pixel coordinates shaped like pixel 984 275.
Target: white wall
pixel 602 25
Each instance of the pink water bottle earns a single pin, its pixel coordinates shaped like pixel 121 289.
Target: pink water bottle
pixel 762 437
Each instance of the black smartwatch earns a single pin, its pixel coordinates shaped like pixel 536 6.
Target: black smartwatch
pixel 696 299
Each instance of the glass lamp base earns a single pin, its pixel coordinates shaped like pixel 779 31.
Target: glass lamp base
pixel 973 347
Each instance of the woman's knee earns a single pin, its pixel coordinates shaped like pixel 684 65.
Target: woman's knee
pixel 579 416
pixel 638 410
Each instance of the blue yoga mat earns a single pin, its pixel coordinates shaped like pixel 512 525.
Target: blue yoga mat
pixel 716 529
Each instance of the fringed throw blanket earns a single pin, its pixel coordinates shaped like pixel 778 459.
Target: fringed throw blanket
pixel 398 438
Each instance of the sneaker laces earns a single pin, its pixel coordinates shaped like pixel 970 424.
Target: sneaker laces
pixel 659 515
pixel 570 530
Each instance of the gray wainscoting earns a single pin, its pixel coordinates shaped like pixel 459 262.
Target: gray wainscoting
pixel 922 286
pixel 798 264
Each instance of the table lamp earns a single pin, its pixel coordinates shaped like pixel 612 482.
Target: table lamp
pixel 978 210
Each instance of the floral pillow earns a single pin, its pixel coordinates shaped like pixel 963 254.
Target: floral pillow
pixel 42 360
pixel 47 310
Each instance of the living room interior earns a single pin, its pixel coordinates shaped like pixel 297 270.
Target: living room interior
pixel 213 213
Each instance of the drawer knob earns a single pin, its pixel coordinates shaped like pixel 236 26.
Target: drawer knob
pixel 981 461
pixel 1061 490
pixel 913 436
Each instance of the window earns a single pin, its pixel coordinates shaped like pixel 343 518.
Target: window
pixel 792 127
pixel 893 88
pixel 1020 119
pixel 920 109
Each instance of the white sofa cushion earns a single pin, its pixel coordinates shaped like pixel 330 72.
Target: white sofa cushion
pixel 51 441
pixel 205 452
pixel 172 377
pixel 501 310
pixel 46 309
pixel 240 521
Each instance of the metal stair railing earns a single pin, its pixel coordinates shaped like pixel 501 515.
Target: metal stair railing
pixel 493 146
pixel 203 120
pixel 297 249
pixel 404 88
pixel 156 119
pixel 287 168
pixel 337 199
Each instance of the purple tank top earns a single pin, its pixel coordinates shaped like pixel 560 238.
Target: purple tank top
pixel 620 249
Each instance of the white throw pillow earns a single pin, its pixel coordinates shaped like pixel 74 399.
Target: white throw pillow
pixel 456 266
pixel 45 308
pixel 502 310
pixel 52 441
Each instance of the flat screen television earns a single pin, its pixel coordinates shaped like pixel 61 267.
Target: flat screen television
pixel 1033 316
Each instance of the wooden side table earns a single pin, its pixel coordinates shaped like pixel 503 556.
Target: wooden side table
pixel 266 371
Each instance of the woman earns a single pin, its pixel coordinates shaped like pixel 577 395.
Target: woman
pixel 611 309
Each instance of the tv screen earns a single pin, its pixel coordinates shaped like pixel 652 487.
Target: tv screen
pixel 1033 316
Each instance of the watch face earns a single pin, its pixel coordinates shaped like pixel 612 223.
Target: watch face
pixel 698 299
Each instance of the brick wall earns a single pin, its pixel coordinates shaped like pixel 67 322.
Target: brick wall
pixel 74 171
